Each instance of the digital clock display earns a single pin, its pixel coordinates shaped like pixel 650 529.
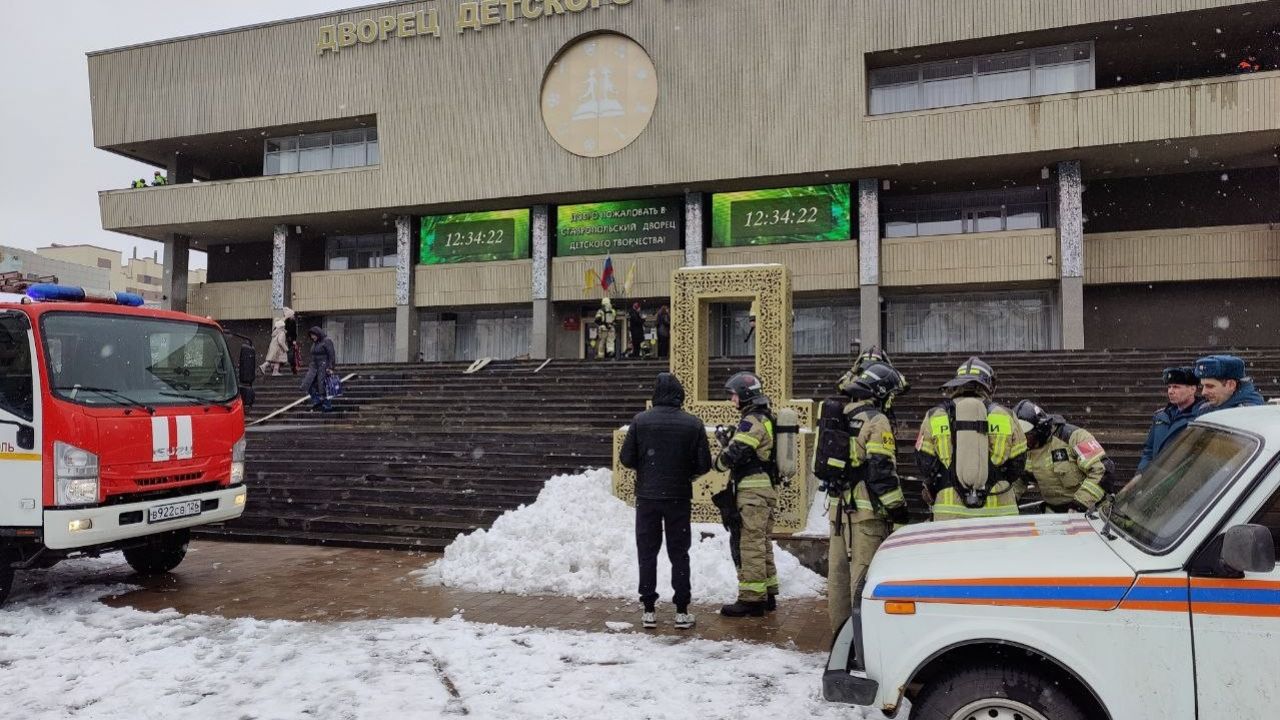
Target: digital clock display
pixel 475 237
pixel 785 215
pixel 782 216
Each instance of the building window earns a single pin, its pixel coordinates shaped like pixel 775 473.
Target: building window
pixel 988 78
pixel 1021 208
pixel 104 263
pixel 320 151
pixel 351 252
pixel 976 322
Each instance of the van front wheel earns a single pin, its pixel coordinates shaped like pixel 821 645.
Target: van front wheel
pixel 160 554
pixel 995 692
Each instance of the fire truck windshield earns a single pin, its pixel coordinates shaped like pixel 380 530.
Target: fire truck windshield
pixel 117 360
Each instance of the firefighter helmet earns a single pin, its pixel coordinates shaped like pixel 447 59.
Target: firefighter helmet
pixel 1035 422
pixel 748 389
pixel 974 372
pixel 877 380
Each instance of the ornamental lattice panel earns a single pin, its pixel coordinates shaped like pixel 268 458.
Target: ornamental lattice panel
pixel 693 292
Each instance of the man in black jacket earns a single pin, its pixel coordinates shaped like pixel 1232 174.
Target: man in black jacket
pixel 668 449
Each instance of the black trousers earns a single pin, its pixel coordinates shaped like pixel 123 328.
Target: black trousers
pixel 664 345
pixel 653 517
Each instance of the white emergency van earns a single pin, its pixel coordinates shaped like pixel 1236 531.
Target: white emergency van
pixel 1162 605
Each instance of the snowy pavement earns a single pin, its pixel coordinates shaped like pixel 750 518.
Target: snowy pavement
pixel 64 654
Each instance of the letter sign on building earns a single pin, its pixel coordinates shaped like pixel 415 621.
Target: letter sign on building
pixel 598 95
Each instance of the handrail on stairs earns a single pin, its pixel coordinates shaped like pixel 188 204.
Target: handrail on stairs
pixel 291 405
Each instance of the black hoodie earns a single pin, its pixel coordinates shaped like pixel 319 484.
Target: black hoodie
pixel 666 446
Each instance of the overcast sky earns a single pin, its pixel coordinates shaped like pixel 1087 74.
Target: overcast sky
pixel 50 174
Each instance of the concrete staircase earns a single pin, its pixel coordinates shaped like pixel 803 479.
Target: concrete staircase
pixel 416 454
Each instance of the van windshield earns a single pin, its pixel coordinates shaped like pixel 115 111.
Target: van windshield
pixel 112 360
pixel 1179 486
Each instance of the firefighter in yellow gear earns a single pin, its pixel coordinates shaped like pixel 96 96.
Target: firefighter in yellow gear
pixel 970 450
pixel 1068 465
pixel 867 503
pixel 747 455
pixel 606 320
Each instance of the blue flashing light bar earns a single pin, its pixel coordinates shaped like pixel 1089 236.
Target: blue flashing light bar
pixel 66 293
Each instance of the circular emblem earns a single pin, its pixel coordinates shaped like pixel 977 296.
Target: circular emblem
pixel 599 94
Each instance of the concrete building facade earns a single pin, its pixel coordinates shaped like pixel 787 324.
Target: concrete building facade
pixel 447 179
pixel 142 276
pixel 34 265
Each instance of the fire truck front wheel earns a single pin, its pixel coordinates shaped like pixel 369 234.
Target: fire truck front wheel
pixel 160 554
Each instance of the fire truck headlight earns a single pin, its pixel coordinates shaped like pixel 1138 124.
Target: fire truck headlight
pixel 237 462
pixel 75 475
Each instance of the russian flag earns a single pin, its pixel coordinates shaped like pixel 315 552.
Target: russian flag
pixel 606 277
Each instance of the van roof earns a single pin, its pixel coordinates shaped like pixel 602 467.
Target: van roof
pixel 1263 420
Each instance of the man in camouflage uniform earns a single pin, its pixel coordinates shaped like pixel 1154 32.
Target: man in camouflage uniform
pixel 1006 451
pixel 747 455
pixel 1067 463
pixel 871 504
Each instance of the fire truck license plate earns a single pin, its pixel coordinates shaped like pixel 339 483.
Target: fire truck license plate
pixel 171 512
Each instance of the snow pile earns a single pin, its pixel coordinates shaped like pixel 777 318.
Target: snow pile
pixel 66 655
pixel 819 523
pixel 579 540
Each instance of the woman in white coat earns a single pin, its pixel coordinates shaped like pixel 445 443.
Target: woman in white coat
pixel 278 351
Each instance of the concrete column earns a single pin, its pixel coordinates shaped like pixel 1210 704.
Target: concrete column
pixel 694 238
pixel 869 261
pixel 177 254
pixel 280 290
pixel 540 335
pixel 1071 253
pixel 178 169
pixel 407 341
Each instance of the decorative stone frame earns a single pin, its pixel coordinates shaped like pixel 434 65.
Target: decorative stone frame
pixel 693 291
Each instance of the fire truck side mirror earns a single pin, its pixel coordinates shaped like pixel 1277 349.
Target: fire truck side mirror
pixel 248 365
pixel 26 437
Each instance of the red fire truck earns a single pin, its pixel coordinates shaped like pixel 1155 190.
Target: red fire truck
pixel 121 427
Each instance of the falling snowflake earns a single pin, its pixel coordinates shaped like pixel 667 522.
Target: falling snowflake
pixel 589 144
pixel 642 74
pixel 591 48
pixel 642 108
pixel 553 99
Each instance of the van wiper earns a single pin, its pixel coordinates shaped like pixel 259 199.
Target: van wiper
pixel 194 398
pixel 109 392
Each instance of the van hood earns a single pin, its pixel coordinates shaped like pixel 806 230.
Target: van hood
pixel 1029 561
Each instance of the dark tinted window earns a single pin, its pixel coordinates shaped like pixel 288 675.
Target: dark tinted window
pixel 16 396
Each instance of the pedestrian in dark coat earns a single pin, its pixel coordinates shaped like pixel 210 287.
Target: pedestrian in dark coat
pixel 323 361
pixel 668 449
pixel 291 340
pixel 1181 385
pixel 663 323
pixel 635 325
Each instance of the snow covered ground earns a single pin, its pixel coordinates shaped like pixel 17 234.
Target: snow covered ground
pixel 578 540
pixel 63 654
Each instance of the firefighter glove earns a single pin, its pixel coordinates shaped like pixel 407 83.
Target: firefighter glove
pixel 898 514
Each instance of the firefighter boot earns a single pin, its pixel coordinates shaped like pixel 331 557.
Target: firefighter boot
pixel 771 603
pixel 744 608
